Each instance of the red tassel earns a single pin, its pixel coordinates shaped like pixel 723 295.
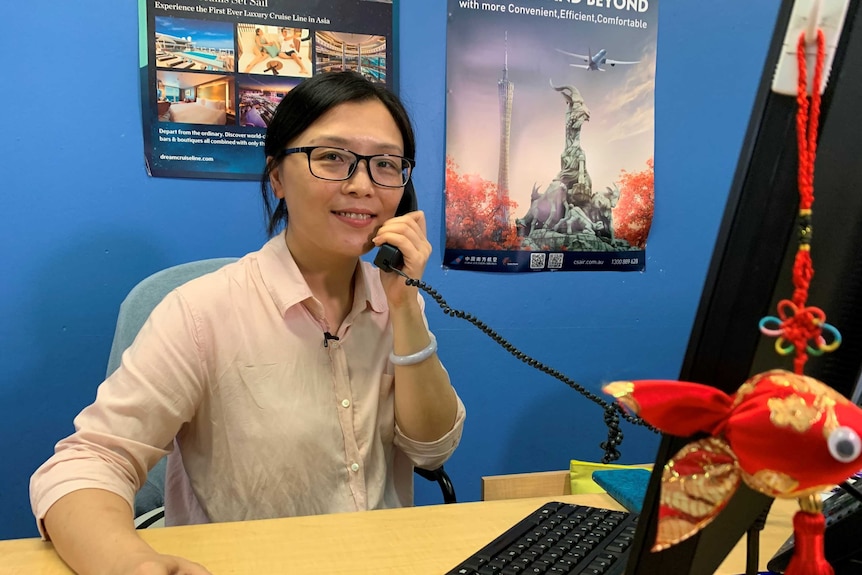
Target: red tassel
pixel 808 556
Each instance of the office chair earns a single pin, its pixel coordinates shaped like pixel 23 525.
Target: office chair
pixel 136 307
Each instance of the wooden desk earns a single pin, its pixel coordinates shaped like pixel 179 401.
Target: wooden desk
pixel 418 540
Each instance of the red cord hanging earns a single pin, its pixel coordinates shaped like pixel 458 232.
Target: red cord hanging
pixel 807 323
pixel 800 328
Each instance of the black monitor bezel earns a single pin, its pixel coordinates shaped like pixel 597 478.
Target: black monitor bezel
pixel 758 222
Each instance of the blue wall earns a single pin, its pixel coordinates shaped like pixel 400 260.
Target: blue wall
pixel 82 223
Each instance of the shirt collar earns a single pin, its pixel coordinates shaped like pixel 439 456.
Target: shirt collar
pixel 288 287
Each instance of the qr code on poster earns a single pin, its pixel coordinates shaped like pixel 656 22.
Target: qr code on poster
pixel 555 261
pixel 537 261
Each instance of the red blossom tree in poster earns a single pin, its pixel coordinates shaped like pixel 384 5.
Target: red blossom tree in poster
pixel 634 210
pixel 473 213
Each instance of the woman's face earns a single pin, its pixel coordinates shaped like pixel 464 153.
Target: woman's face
pixel 338 219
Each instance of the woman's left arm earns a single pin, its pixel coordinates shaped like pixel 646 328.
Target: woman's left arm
pixel 425 402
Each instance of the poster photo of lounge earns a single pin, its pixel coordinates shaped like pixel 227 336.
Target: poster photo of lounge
pixel 274 50
pixel 363 53
pixel 183 44
pixel 258 98
pixel 195 98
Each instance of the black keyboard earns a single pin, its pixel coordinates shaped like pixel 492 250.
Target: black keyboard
pixel 558 538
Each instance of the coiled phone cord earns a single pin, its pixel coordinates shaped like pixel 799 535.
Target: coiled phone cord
pixel 612 411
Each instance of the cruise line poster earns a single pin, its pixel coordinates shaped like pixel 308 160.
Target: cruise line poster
pixel 213 71
pixel 550 133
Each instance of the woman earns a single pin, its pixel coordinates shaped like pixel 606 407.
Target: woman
pixel 299 380
pixel 263 49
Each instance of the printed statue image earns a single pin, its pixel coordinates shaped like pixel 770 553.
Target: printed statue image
pixel 569 214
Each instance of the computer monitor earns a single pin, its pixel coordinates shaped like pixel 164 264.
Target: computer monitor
pixel 749 273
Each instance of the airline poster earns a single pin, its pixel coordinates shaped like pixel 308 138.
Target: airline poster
pixel 550 133
pixel 213 71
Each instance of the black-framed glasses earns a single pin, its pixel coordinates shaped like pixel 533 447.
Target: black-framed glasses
pixel 339 164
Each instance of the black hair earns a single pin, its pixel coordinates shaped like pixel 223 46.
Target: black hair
pixel 307 102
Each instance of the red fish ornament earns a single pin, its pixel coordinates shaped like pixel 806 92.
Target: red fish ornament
pixel 783 434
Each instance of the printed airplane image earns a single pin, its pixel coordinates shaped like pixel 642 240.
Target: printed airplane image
pixel 594 61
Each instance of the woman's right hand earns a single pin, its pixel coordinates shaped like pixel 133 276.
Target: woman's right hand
pixel 93 532
pixel 157 564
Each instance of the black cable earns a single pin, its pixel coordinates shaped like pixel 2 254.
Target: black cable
pixel 752 556
pixel 613 411
pixel 850 489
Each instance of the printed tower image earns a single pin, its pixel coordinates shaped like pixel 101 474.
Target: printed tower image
pixel 506 90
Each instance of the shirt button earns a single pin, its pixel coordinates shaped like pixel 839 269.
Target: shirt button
pixel 345 403
pixel 354 467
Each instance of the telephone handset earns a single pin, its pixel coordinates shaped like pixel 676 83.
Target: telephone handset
pixel 388 256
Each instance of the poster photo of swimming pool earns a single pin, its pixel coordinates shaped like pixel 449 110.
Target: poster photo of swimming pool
pixel 183 44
